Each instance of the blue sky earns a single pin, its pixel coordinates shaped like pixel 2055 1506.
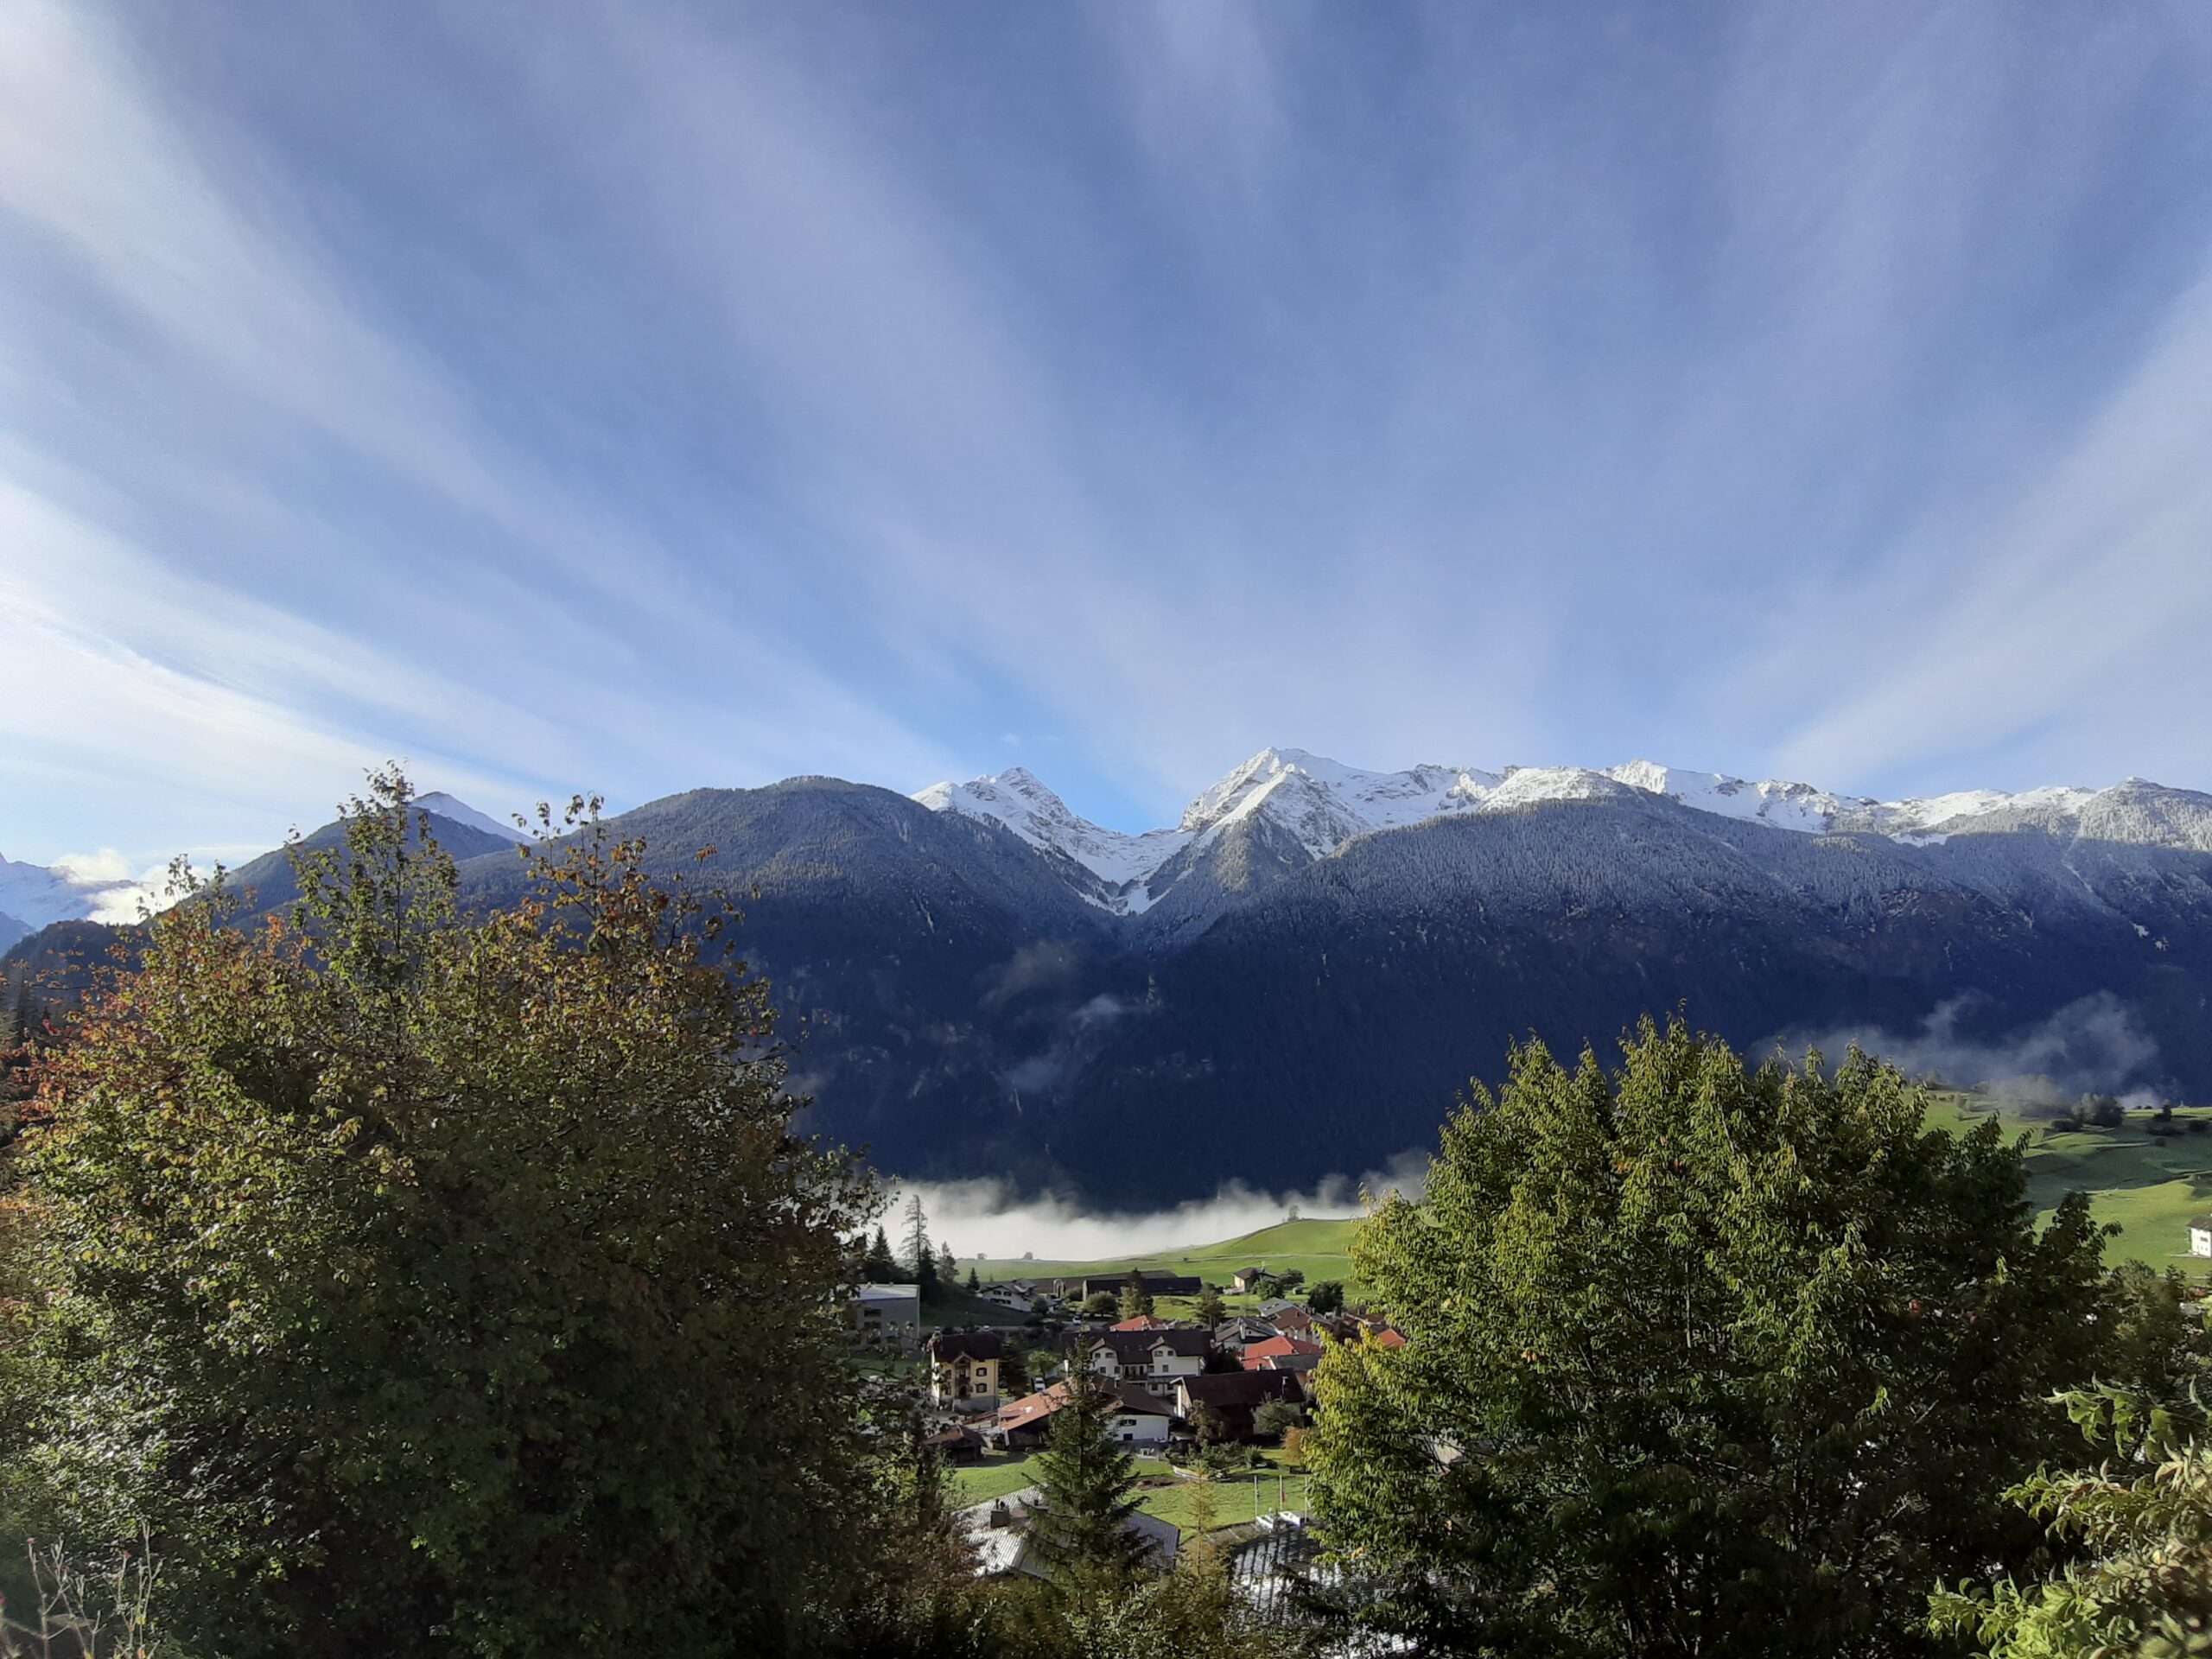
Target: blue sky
pixel 634 398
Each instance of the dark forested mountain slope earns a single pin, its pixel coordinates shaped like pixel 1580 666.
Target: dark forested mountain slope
pixel 1291 1004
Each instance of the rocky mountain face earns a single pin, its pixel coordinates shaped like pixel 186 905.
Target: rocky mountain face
pixel 1301 975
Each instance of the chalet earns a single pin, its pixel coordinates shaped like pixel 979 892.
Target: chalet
pixel 964 1369
pixel 1137 1420
pixel 1154 1358
pixel 882 1311
pixel 1244 1277
pixel 1231 1335
pixel 999 1531
pixel 2199 1236
pixel 1234 1396
pixel 1019 1298
pixel 1282 1354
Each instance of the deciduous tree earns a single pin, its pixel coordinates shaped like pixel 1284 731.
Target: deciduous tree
pixel 436 1284
pixel 1699 1360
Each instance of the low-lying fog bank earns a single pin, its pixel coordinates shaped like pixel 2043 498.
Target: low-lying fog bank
pixel 987 1218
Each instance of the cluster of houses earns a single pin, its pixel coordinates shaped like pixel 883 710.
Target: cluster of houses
pixel 1168 1379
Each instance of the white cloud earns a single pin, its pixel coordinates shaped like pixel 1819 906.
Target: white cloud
pixel 985 1218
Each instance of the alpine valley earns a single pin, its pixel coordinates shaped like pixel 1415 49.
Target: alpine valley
pixel 1300 975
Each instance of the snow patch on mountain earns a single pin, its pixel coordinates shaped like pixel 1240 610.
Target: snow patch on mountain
pixel 460 811
pixel 1017 800
pixel 98 887
pixel 1323 803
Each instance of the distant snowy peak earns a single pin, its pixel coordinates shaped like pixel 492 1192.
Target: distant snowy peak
pixel 71 890
pixel 459 811
pixel 1324 804
pixel 1815 812
pixel 1017 800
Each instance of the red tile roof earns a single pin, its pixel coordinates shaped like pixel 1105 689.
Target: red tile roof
pixel 1257 1353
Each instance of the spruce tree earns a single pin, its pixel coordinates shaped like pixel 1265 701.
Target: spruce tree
pixel 881 1267
pixel 1084 1480
pixel 974 1283
pixel 948 1266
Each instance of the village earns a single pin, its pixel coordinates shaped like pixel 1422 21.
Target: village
pixel 1207 1385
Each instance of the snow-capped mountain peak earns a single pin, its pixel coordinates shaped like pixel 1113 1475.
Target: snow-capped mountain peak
pixel 460 811
pixel 1324 804
pixel 1017 800
pixel 100 889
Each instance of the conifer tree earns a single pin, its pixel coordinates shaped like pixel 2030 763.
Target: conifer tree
pixel 882 1267
pixel 921 1259
pixel 948 1265
pixel 974 1284
pixel 1211 1310
pixel 1084 1480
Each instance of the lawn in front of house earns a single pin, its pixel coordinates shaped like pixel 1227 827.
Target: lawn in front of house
pixel 1238 1500
pixel 1001 1473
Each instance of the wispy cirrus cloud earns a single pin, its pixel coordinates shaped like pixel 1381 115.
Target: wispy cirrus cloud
pixel 666 395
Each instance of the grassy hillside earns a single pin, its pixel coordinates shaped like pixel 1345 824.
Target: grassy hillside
pixel 1319 1250
pixel 2151 1186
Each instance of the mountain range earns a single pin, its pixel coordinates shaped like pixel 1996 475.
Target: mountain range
pixel 1300 975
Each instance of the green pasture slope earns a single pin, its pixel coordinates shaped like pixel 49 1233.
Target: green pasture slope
pixel 1319 1250
pixel 2151 1186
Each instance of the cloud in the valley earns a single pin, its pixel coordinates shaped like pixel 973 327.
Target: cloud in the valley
pixel 989 1218
pixel 2095 1043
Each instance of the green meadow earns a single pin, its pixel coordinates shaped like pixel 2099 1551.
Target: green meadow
pixel 2149 1185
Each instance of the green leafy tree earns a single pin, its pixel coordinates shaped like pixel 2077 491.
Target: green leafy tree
pixel 1136 1299
pixel 1101 1304
pixel 1278 1417
pixel 1267 1286
pixel 1208 1425
pixel 948 1267
pixel 1085 1479
pixel 2144 1517
pixel 2160 1348
pixel 1698 1360
pixel 1327 1297
pixel 1211 1310
pixel 406 1273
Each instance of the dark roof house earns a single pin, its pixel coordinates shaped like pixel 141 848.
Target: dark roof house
pixel 1236 1397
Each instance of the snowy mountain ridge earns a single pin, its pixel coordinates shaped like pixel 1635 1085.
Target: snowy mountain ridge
pixel 35 895
pixel 99 889
pixel 1323 803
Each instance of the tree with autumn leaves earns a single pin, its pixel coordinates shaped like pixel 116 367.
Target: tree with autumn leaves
pixel 433 1283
